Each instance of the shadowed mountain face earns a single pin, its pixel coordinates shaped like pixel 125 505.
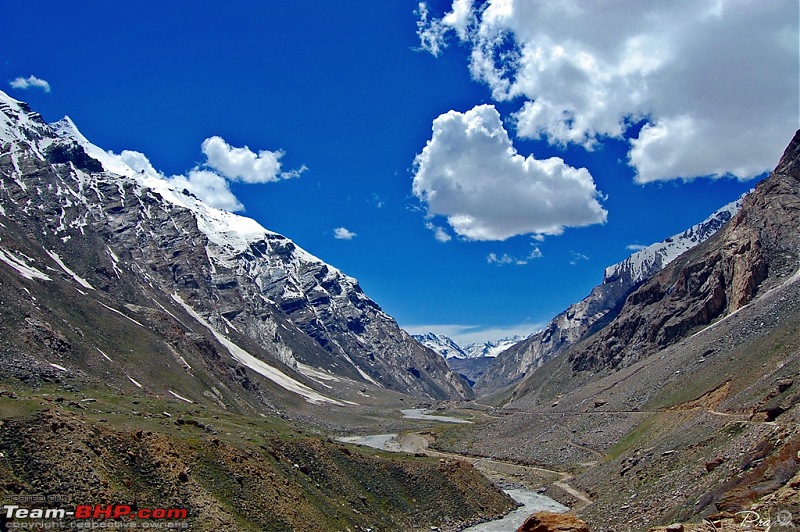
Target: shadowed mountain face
pixel 109 273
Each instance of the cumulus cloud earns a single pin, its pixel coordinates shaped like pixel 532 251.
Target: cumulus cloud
pixel 209 187
pixel 139 162
pixel 470 173
pixel 715 80
pixel 29 82
pixel 342 233
pixel 210 182
pixel 243 164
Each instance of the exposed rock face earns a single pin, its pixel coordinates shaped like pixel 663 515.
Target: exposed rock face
pixel 551 522
pixel 759 248
pixel 120 234
pixel 601 305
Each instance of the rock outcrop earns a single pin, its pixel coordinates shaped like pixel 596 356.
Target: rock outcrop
pixel 552 522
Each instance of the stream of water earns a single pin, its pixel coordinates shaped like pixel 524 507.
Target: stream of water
pixel 531 501
pixel 425 415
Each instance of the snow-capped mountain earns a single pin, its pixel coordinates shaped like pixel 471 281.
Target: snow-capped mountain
pixel 442 344
pixel 131 240
pixel 449 349
pixel 602 304
pixel 492 348
pixel 646 262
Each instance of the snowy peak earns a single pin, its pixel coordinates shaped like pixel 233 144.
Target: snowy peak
pixel 645 263
pixel 491 349
pixel 19 123
pixel 441 344
pixel 230 235
pixel 448 348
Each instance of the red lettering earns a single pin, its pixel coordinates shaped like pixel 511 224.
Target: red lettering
pixel 83 511
pixel 144 513
pixel 177 513
pixel 159 513
pixel 121 510
pixel 106 512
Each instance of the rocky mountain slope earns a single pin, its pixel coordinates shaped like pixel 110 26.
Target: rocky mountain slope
pixel 758 250
pixel 600 306
pixel 87 242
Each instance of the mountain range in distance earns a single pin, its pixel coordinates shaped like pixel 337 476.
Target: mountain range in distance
pixel 448 348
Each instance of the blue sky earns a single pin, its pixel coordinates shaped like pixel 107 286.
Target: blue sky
pixel 423 134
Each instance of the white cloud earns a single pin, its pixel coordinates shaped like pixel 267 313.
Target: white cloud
pixel 635 247
pixel 342 233
pixel 432 32
pixel 439 233
pixel 209 187
pixel 492 258
pixel 470 173
pixel 717 80
pixel 505 258
pixel 242 164
pixel 211 182
pixel 460 17
pixel 139 162
pixel 30 81
pixel 577 257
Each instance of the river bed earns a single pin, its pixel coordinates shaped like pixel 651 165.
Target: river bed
pixel 425 415
pixel 531 501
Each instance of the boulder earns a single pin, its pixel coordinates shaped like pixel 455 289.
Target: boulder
pixel 552 522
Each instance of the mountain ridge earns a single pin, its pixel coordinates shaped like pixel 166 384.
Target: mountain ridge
pixel 582 318
pixel 304 314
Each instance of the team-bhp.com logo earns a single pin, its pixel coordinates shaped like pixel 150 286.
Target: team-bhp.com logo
pixel 90 516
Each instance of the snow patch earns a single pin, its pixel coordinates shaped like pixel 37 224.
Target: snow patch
pixel 134 382
pixel 105 355
pixel 259 366
pixel 121 314
pixel 62 368
pixel 179 396
pixel 80 280
pixel 22 267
